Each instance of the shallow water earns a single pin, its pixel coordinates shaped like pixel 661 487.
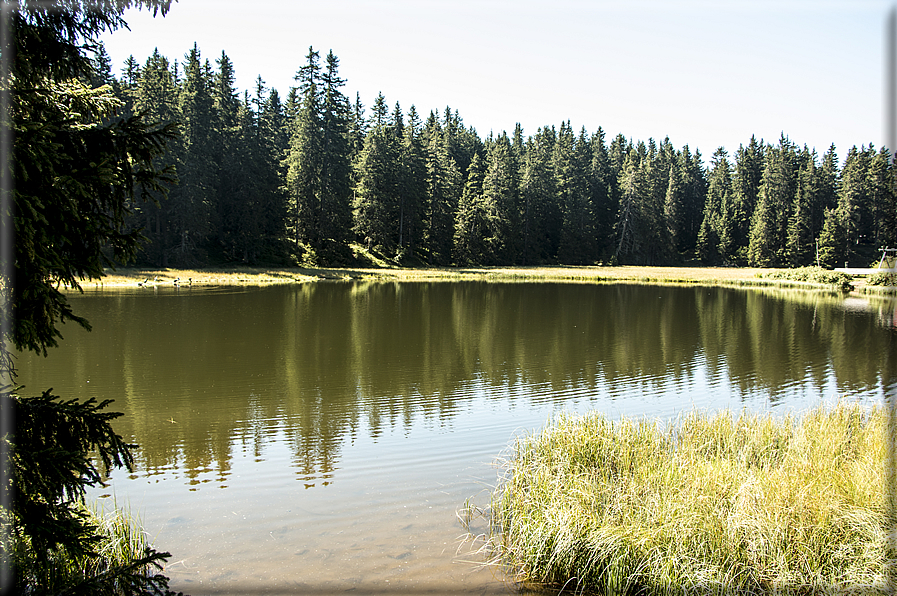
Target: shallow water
pixel 320 438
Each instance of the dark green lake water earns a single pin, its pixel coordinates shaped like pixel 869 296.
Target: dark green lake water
pixel 320 438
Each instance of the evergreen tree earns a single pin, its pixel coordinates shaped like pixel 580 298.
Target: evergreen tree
pixel 273 143
pixel 336 175
pixel 540 213
pixel 101 67
pixel 749 164
pixel 471 220
pixel 500 203
pixel 629 231
pixel 853 199
pixel 694 189
pixel 715 235
pixel 156 101
pixel 319 167
pixel 769 224
pixel 444 185
pixel 77 171
pixel 571 160
pixel 832 243
pixel 191 203
pixel 881 201
pixel 800 241
pixel 603 192
pixel 378 192
pixel 413 186
pixel 130 73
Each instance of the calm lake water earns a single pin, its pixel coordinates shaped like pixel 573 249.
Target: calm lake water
pixel 320 438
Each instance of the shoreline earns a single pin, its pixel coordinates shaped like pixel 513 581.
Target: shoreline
pixel 262 276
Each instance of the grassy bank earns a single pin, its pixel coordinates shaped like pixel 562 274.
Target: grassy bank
pixel 120 544
pixel 131 277
pixel 751 503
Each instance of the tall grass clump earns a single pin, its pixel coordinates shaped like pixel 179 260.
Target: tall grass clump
pixel 706 504
pixel 882 279
pixel 120 553
pixel 816 275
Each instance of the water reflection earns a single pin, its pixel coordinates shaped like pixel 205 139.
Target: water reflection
pixel 206 377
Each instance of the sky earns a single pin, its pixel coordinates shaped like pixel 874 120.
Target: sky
pixel 705 73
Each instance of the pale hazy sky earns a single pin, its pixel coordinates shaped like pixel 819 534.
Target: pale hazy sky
pixel 704 73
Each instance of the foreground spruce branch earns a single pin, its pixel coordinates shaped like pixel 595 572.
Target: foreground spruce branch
pixel 753 504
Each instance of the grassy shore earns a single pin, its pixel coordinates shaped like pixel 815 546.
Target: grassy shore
pixel 730 276
pixel 708 504
pixel 121 543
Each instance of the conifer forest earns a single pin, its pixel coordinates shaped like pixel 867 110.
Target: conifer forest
pixel 316 176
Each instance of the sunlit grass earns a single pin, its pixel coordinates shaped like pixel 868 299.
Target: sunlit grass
pixel 121 541
pixel 708 503
pixel 595 274
pixel 815 275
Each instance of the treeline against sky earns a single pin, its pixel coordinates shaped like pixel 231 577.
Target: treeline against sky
pixel 302 179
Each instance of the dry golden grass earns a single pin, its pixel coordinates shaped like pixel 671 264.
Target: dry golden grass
pixel 263 276
pixel 709 504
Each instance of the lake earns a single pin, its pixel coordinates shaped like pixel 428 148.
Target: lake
pixel 319 438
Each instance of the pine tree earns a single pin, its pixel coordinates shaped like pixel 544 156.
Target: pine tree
pixel 156 101
pixel 571 160
pixel 101 67
pixel 832 243
pixel 853 198
pixel 471 225
pixel 882 212
pixel 378 194
pixel 336 175
pixel 749 165
pixel 77 170
pixel 191 203
pixel 272 142
pixel 694 189
pixel 714 238
pixel 800 242
pixel 413 185
pixel 500 203
pixel 768 236
pixel 319 170
pixel 604 194
pixel 444 185
pixel 540 213
pixel 630 228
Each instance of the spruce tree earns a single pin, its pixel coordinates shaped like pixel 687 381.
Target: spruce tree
pixel 78 169
pixel 571 160
pixel 156 100
pixel 715 235
pixel 413 185
pixel 604 194
pixel 748 174
pixel 768 236
pixel 800 242
pixel 540 213
pixel 471 242
pixel 191 203
pixel 305 158
pixel 831 245
pixel 336 165
pixel 500 186
pixel 444 186
pixel 377 191
pixel 853 198
pixel 881 201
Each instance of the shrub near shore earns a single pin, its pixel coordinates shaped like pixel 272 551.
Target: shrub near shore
pixel 715 503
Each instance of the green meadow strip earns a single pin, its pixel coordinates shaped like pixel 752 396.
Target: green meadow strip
pixel 717 503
